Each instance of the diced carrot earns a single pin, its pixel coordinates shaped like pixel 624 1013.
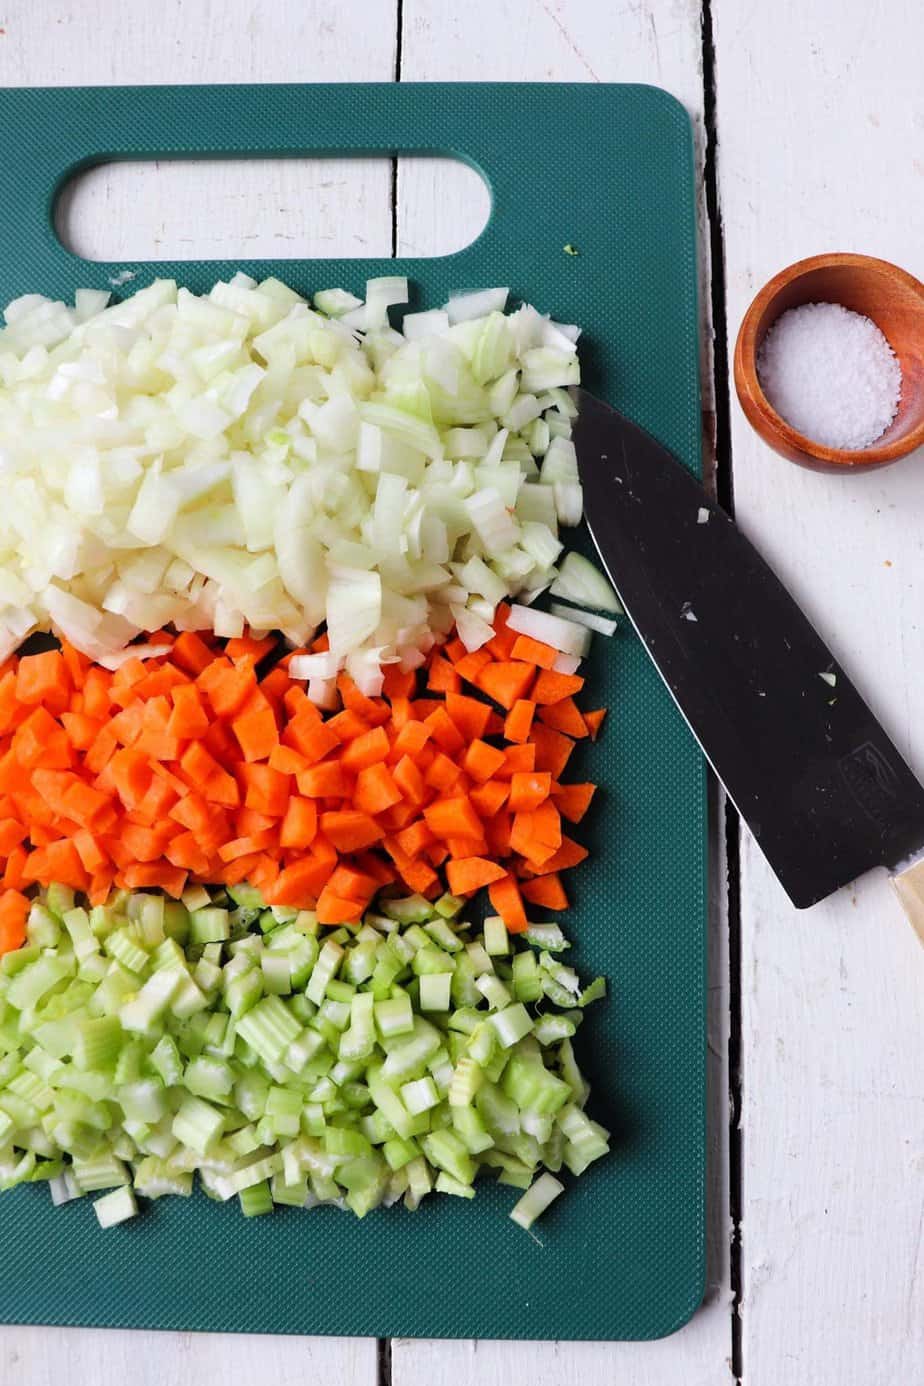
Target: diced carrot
pixel 190 653
pixel 441 677
pixel 14 910
pixel 82 730
pixel 255 729
pixel 43 678
pixel 490 797
pixel 14 873
pixel 552 688
pixel 453 817
pixel 246 846
pixel 398 683
pixel 469 716
pixel 442 773
pixel 507 681
pixel 92 855
pixel 372 711
pixel 573 800
pixel 326 781
pixel 569 854
pixel 469 874
pixel 519 720
pixel 311 738
pixel 227 686
pixel 189 719
pixel 245 649
pixel 444 731
pixel 12 832
pixel 367 749
pixel 264 789
pixel 470 665
pixel 594 721
pixel 545 891
pixel 528 789
pixel 517 759
pixel 347 725
pixel 481 761
pixel 376 790
pixel 410 781
pixel 462 847
pixel 170 879
pixel 332 909
pixel 415 838
pixel 350 830
pixel 300 884
pixel 564 716
pixel 300 824
pixel 533 652
pixel 286 761
pixel 506 898
pixel 411 739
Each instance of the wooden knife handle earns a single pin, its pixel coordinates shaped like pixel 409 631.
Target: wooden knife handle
pixel 909 887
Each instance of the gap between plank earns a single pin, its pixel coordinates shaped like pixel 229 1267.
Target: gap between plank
pixel 724 483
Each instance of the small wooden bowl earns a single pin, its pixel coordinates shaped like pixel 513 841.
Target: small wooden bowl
pixel 893 299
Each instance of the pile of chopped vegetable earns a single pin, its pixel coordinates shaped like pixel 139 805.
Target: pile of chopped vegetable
pixel 278 544
pixel 146 1041
pixel 242 459
pixel 189 766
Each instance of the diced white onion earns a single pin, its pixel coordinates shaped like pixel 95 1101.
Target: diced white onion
pixel 567 636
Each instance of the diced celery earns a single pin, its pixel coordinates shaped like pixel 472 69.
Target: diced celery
pixel 115 1207
pixel 496 938
pixel 256 1200
pixel 435 991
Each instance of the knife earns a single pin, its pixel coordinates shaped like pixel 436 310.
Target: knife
pixel 809 769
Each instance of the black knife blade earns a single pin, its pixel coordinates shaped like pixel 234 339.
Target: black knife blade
pixel 822 788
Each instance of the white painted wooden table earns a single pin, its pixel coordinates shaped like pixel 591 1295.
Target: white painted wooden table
pixel 815 115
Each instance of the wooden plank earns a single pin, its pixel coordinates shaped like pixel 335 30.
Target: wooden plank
pixel 503 40
pixel 295 40
pixel 283 208
pixel 819 120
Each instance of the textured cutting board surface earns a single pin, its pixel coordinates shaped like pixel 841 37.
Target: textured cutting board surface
pixel 609 171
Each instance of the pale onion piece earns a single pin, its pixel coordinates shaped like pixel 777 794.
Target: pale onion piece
pixel 354 608
pixel 567 636
pixel 493 523
pixel 463 307
pixel 603 625
pixel 417 326
pixel 365 669
pixel 566 664
pixel 560 462
pixel 323 693
pixel 579 581
pixel 323 665
pixel 562 335
pixel 382 294
pixel 472 629
pixel 569 502
pixel 335 302
pixel 120 657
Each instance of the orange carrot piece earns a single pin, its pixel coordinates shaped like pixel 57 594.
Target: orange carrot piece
pixel 311 738
pixel 300 884
pixel 470 665
pixel 507 681
pixel 442 773
pixel 415 838
pixel 364 750
pixel 441 677
pixel 469 874
pixel 411 739
pixel 189 719
pixel 376 790
pixel 227 686
pixel 594 721
pixel 14 910
pixel 505 896
pixel 190 653
pixel 517 759
pixel 286 761
pixel 264 789
pixel 469 716
pixel 246 846
pixel 14 872
pixel 300 824
pixel 347 725
pixel 552 749
pixel 453 817
pixel 569 854
pixel 12 832
pixel 43 678
pixel 573 800
pixel 350 830
pixel 326 781
pixel 519 720
pixel 398 683
pixel 564 716
pixel 533 652
pixel 552 688
pixel 332 909
pixel 444 730
pixel 410 781
pixel 82 730
pixel 256 730
pixel 170 879
pixel 529 789
pixel 482 761
pixel 461 847
pixel 373 711
pixel 489 798
pixel 545 891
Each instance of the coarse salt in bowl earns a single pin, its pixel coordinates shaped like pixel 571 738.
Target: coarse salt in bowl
pixel 828 372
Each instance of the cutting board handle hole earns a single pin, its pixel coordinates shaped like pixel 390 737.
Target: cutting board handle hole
pixel 285 208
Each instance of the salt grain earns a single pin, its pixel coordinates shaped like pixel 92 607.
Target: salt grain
pixel 831 374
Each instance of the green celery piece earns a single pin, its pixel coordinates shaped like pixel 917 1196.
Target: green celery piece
pixel 197 1124
pixel 448 906
pixel 413 909
pixel 59 899
pixel 98 1043
pixel 256 1200
pixel 269 1028
pixel 446 1151
pixel 209 925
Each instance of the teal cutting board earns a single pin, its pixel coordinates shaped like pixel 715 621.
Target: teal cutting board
pixel 609 171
